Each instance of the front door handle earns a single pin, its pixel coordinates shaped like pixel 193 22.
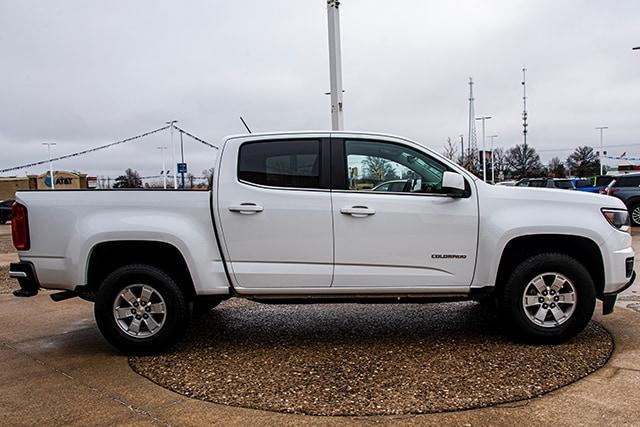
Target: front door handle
pixel 246 208
pixel 358 211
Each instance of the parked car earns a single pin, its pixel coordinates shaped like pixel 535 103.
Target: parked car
pixel 584 184
pixel 594 184
pixel 286 223
pixel 563 183
pixel 626 187
pixel 5 210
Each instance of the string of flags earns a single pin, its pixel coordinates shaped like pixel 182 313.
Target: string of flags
pixel 111 144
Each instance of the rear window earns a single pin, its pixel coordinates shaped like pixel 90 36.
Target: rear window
pixel 290 163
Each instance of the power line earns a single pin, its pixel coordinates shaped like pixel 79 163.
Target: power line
pixel 102 147
pixel 90 150
pixel 200 140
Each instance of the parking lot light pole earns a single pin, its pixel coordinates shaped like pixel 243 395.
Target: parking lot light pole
pixel 164 167
pixel 484 148
pixel 601 129
pixel 53 181
pixel 493 175
pixel 173 156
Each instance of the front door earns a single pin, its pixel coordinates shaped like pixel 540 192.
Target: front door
pixel 274 207
pixel 393 226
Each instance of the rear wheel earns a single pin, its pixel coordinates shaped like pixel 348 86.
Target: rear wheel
pixel 139 308
pixel 548 298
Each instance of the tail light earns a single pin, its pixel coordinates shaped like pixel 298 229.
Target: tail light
pixel 612 191
pixel 20 227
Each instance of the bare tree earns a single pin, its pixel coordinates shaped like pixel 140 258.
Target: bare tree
pixel 450 150
pixel 524 161
pixel 208 175
pixel 556 168
pixel 130 179
pixel 500 160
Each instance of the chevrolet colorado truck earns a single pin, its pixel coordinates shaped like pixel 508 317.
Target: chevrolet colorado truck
pixel 294 218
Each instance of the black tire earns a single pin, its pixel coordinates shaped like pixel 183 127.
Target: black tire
pixel 176 309
pixel 518 323
pixel 631 209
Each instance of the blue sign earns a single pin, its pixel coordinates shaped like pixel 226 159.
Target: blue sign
pixel 182 168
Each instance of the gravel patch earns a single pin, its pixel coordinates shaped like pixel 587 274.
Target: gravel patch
pixel 351 359
pixel 7 284
pixel 6 244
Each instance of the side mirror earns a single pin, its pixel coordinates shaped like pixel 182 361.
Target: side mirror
pixel 453 184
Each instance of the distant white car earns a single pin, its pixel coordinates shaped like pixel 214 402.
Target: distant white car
pixel 507 183
pixel 288 221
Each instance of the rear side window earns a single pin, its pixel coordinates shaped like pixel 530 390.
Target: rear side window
pixel 582 183
pixel 538 183
pixel 566 184
pixel 628 181
pixel 290 163
pixel 602 181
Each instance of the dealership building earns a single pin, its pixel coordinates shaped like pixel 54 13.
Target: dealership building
pixel 63 180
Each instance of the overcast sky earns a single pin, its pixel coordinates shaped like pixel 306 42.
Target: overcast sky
pixel 84 73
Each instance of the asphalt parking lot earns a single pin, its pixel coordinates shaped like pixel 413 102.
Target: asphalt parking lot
pixel 55 368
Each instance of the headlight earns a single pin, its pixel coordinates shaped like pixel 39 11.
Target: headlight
pixel 617 218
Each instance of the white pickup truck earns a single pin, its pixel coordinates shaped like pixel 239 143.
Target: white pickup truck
pixel 325 217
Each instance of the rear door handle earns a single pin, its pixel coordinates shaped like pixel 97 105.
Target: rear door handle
pixel 358 211
pixel 246 208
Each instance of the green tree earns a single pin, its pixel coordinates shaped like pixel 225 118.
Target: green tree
pixel 378 169
pixel 524 161
pixel 584 162
pixel 130 179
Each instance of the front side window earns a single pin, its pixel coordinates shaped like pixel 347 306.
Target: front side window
pixel 566 184
pixel 289 163
pixel 538 183
pixel 385 166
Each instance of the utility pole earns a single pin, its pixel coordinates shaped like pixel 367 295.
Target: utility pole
pixel 484 148
pixel 164 167
pixel 461 150
pixel 335 64
pixel 602 153
pixel 493 175
pixel 182 158
pixel 524 109
pixel 173 156
pixel 53 181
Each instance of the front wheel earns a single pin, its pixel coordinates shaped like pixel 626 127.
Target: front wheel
pixel 139 308
pixel 634 213
pixel 548 298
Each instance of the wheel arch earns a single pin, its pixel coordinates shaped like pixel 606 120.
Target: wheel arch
pixel 105 257
pixel 583 249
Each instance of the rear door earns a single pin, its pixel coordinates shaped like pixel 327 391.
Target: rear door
pixel 274 207
pixel 416 238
